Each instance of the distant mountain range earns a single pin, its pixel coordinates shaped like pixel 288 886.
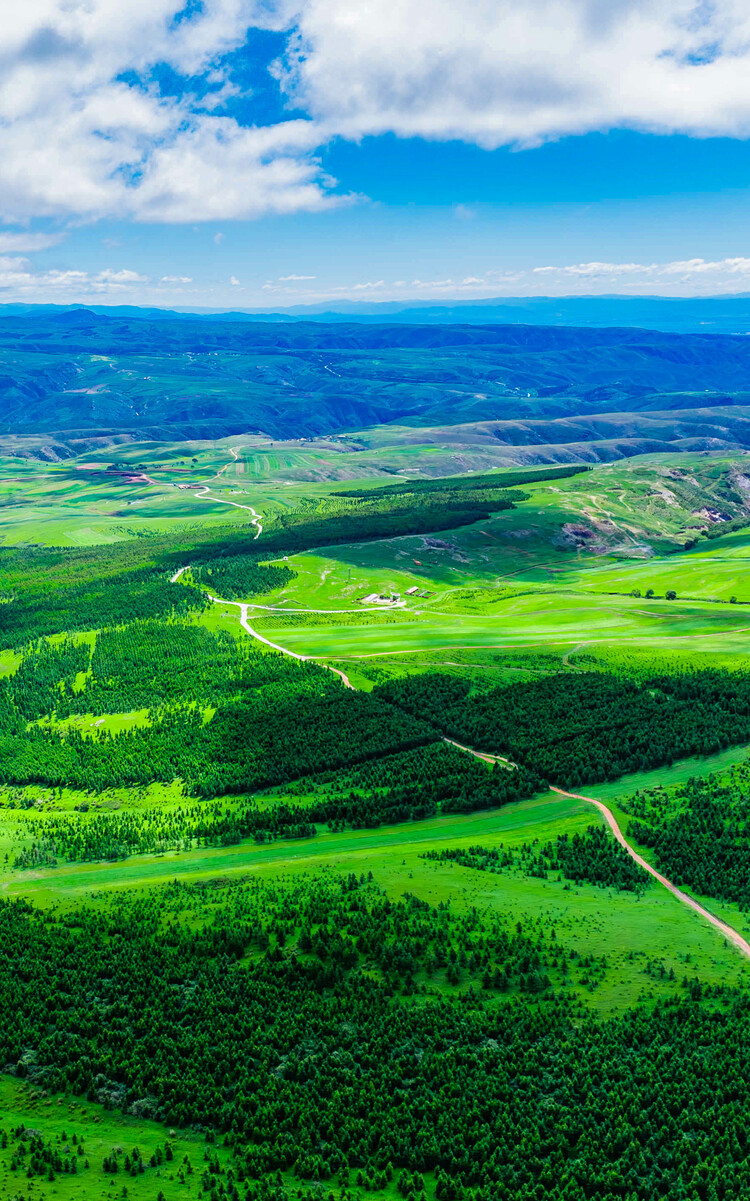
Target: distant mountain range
pixel 74 375
pixel 716 314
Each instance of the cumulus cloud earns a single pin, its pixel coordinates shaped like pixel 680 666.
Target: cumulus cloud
pixel 286 278
pixel 85 131
pixel 496 72
pixel 176 279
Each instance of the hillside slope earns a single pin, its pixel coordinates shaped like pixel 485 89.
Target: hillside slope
pixel 78 374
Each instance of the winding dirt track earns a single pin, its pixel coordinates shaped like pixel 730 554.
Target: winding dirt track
pixel 204 494
pixel 731 935
pixel 243 608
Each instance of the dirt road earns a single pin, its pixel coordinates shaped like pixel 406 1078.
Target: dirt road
pixel 243 608
pixel 731 935
pixel 205 495
pixel 480 754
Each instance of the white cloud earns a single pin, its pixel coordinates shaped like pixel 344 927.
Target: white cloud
pixel 591 270
pixel 496 72
pixel 79 138
pixel 176 279
pixel 24 242
pixel 730 266
pixel 286 278
pixel 677 277
pixel 687 277
pixel 18 278
pixel 234 281
pixel 122 277
pixel 734 266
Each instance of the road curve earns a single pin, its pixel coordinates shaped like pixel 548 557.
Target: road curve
pixel 731 935
pixel 243 608
pixel 480 754
pixel 204 495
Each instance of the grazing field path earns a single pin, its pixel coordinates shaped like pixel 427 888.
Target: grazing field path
pixel 205 494
pixel 729 933
pixel 243 608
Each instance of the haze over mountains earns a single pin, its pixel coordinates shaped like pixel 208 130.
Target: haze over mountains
pixel 72 378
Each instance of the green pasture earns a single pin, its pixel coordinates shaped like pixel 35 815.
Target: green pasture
pixel 632 506
pixel 103 1132
pixel 23 811
pixel 556 622
pixel 628 930
pixel 81 502
pixel 715 570
pixel 90 723
pixel 333 461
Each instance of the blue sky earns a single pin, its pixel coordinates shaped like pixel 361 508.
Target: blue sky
pixel 259 153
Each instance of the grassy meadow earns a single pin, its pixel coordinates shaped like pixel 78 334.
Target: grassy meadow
pixel 575 576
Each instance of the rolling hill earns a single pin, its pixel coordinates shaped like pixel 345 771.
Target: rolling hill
pixel 75 379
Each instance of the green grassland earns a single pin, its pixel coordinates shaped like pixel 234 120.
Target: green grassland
pixel 103 1132
pixel 553 573
pixel 541 588
pixel 101 496
pixel 98 497
pixel 637 943
pixel 629 930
